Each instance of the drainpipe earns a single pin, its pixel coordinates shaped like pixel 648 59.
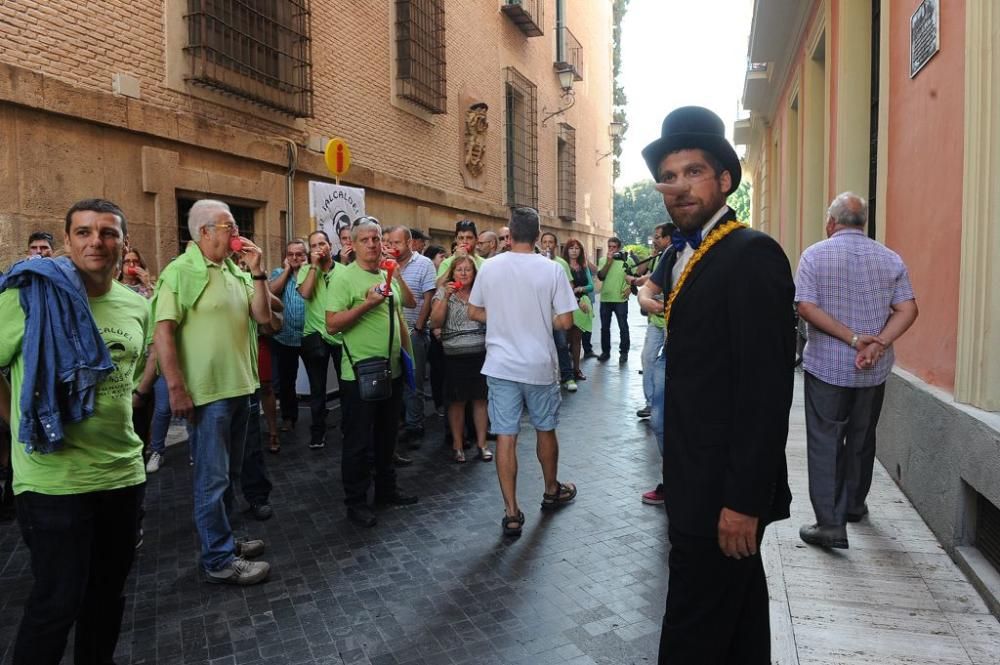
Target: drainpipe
pixel 293 158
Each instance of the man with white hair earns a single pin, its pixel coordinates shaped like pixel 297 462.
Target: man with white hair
pixel 205 311
pixel 856 296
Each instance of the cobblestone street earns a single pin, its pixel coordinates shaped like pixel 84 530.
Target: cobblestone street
pixel 436 583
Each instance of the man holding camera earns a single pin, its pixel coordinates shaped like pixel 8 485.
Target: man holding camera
pixel 357 308
pixel 614 271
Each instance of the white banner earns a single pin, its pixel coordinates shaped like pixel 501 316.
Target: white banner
pixel 332 207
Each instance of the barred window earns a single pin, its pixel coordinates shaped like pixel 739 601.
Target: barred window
pixel 522 140
pixel 566 166
pixel 258 50
pixel 420 62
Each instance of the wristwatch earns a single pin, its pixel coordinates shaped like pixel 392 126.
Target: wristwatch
pixel 261 277
pixel 854 341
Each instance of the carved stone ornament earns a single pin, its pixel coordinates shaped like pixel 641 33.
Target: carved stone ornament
pixel 476 125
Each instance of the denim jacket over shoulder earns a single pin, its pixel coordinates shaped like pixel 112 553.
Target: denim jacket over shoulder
pixel 64 355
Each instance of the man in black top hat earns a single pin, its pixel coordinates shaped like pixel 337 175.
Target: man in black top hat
pixel 729 373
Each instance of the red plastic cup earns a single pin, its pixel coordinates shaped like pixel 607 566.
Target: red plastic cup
pixel 457 286
pixel 236 244
pixel 131 271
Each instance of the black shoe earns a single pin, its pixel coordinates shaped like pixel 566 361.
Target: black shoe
pixel 857 517
pixel 261 511
pixel 622 358
pixel 644 412
pixel 399 460
pixel 830 537
pixel 604 357
pixel 397 498
pixel 589 354
pixel 362 515
pixel 316 445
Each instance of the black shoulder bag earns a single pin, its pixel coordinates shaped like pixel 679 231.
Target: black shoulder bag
pixel 374 375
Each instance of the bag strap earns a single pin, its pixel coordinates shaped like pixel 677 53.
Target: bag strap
pixel 392 330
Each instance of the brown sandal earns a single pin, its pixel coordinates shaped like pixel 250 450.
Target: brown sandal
pixel 562 496
pixel 275 446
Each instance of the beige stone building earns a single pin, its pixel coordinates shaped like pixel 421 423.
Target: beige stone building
pixel 154 104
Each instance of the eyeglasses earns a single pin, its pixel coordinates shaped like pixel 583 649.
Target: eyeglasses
pixel 503 237
pixel 227 226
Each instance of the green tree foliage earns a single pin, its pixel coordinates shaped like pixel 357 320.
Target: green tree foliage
pixel 740 202
pixel 638 208
pixel 618 100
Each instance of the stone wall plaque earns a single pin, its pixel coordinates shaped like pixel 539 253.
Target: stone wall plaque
pixel 925 34
pixel 474 126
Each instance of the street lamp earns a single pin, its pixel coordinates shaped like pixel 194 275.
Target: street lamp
pixel 615 131
pixel 566 78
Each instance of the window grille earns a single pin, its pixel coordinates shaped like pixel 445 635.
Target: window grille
pixel 420 61
pixel 569 53
pixel 522 140
pixel 988 531
pixel 527 15
pixel 566 163
pixel 258 50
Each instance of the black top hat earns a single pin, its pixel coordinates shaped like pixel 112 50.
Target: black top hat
pixel 693 127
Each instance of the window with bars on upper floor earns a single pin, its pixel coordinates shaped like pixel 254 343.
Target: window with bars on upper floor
pixel 521 136
pixel 420 54
pixel 257 50
pixel 566 168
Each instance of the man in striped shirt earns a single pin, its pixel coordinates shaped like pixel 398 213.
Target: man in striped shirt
pixel 856 296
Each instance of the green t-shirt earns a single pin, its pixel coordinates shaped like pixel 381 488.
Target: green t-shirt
pixel 369 338
pixel 102 452
pixel 614 283
pixel 446 264
pixel 215 342
pixel 565 266
pixel 315 321
pixel 655 319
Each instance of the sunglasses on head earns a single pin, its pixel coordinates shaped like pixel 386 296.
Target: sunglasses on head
pixel 361 220
pixel 465 225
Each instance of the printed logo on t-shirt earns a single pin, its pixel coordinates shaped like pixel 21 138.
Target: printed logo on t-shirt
pixel 124 354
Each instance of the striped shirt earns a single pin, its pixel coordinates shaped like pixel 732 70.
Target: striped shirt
pixel 856 281
pixel 294 316
pixel 419 275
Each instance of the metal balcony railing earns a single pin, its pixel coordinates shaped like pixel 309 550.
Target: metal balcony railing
pixel 528 15
pixel 569 53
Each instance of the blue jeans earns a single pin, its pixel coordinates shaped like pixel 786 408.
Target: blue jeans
pixel 650 348
pixel 413 398
pixel 161 416
pixel 562 352
pixel 620 310
pixel 218 436
pixel 659 375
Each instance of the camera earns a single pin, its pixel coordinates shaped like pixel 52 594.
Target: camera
pixel 619 256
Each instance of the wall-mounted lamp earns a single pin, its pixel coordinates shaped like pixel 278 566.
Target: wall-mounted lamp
pixel 566 78
pixel 615 131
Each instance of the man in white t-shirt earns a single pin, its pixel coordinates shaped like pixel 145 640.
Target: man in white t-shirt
pixel 521 296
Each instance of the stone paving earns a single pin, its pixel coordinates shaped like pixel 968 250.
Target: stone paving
pixel 436 583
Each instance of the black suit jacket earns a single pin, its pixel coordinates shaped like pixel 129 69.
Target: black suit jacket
pixel 730 353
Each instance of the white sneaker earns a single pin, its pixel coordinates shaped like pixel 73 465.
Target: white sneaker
pixel 241 572
pixel 154 463
pixel 570 386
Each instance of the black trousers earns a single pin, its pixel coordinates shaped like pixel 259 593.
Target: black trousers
pixel 436 360
pixel 370 430
pixel 620 311
pixel 254 480
pixel 316 353
pixel 286 360
pixel 717 607
pixel 82 546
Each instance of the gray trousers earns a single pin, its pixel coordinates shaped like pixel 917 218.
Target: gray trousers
pixel 840 436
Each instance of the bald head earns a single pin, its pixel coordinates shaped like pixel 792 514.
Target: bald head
pixel 488 245
pixel 848 209
pixel 504 238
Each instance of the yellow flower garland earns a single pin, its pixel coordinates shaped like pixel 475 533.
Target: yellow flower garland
pixel 715 236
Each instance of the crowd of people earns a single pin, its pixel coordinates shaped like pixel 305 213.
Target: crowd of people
pixel 497 326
